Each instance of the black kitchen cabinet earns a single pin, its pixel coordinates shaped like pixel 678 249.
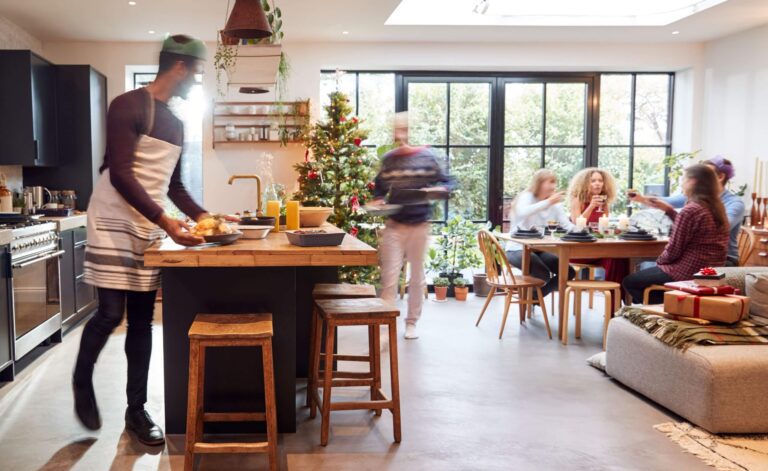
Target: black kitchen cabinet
pixel 82 122
pixel 6 335
pixel 78 298
pixel 28 118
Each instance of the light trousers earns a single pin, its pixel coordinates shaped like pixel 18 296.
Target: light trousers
pixel 400 243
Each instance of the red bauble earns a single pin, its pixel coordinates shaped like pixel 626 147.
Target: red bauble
pixel 358 141
pixel 353 232
pixel 359 162
pixel 371 186
pixel 312 175
pixel 342 118
pixel 354 119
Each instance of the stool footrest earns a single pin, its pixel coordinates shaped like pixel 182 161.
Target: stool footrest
pixel 336 357
pixel 231 447
pixel 234 417
pixel 362 405
pixel 347 375
pixel 346 383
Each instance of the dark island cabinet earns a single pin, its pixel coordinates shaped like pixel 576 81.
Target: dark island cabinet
pixel 78 298
pixel 28 116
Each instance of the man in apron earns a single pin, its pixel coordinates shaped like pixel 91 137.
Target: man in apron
pixel 125 216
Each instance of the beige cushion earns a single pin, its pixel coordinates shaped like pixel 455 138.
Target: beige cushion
pixel 756 286
pixel 719 388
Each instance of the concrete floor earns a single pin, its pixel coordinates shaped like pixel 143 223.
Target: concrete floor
pixel 469 402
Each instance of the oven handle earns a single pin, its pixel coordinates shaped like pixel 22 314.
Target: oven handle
pixel 41 259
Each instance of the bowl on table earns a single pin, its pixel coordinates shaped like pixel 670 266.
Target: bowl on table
pixel 223 239
pixel 315 238
pixel 313 216
pixel 257 221
pixel 255 232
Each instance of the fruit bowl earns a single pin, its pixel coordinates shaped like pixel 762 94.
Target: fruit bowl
pixel 311 216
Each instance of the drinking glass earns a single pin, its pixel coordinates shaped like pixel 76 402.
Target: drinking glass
pixel 631 193
pixel 552 225
pixel 600 207
pixel 594 227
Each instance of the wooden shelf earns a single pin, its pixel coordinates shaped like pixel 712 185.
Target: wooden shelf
pixel 259 125
pixel 291 121
pixel 290 141
pixel 270 115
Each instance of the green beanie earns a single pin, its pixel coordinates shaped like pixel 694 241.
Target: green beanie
pixel 185 46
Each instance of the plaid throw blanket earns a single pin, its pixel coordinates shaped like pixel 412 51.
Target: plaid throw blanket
pixel 683 335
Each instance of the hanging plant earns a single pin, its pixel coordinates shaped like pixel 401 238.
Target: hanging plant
pixel 224 61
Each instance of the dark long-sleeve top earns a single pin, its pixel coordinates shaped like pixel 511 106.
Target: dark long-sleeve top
pixel 411 168
pixel 695 243
pixel 127 120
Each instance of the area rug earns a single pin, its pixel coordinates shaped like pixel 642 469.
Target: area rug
pixel 723 452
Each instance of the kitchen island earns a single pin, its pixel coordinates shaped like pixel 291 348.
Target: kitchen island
pixel 249 276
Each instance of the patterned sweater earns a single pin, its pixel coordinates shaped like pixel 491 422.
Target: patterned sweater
pixel 695 243
pixel 411 168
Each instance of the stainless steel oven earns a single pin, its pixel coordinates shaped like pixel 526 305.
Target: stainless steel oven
pixel 35 287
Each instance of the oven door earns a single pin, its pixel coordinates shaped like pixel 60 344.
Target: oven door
pixel 36 301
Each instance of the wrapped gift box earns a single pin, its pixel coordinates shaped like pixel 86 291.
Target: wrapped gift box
pixel 727 309
pixel 697 289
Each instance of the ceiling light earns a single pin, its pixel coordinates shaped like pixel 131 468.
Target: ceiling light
pixel 546 12
pixel 132 3
pixel 151 31
pixel 345 32
pixel 675 32
pixel 248 21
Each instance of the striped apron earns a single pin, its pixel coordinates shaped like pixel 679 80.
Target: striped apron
pixel 118 235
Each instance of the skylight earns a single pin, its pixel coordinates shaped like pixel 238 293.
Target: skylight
pixel 546 12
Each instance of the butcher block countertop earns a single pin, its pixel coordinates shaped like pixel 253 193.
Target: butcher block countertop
pixel 274 251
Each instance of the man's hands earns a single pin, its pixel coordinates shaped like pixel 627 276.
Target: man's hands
pixel 178 231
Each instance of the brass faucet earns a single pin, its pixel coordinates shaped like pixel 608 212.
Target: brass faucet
pixel 258 188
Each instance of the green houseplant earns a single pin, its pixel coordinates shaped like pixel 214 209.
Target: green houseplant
pixel 441 288
pixel 461 289
pixel 455 249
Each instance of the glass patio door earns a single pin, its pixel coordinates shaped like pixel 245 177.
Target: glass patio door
pixel 546 125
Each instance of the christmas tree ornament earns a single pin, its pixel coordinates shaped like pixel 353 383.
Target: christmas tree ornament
pixel 358 141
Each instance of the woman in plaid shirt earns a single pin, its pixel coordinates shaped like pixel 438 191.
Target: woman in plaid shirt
pixel 699 237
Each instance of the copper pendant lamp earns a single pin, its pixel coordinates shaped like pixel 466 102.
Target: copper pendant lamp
pixel 253 90
pixel 248 21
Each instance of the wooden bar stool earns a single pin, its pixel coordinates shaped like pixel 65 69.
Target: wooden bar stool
pixel 335 291
pixel 612 292
pixel 229 330
pixel 333 313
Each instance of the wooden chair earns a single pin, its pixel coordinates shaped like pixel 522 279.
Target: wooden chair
pixel 332 291
pixel 612 293
pixel 405 282
pixel 746 246
pixel 224 330
pixel 647 292
pixel 518 289
pixel 331 314
pixel 579 268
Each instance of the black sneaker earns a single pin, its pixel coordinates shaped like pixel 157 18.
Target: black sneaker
pixel 85 406
pixel 141 424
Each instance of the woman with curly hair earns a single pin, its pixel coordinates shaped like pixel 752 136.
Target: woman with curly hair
pixel 591 193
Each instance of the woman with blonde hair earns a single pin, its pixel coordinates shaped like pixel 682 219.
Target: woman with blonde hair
pixel 535 207
pixel 592 191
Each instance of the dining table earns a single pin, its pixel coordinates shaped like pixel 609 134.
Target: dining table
pixel 606 247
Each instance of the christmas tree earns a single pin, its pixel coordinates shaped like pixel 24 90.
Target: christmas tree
pixel 338 172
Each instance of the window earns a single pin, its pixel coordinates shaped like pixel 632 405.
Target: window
pixel 636 131
pixel 190 112
pixel 372 97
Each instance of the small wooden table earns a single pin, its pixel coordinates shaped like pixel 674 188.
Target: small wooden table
pixel 602 248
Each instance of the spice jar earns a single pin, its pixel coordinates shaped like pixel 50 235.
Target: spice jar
pixel 6 197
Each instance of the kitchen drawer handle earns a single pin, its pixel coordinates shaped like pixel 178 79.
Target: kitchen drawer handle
pixel 764 241
pixel 173 261
pixel 763 254
pixel 81 244
pixel 41 259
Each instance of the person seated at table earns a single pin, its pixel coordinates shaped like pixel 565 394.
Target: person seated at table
pixel 592 191
pixel 536 207
pixel 699 236
pixel 734 206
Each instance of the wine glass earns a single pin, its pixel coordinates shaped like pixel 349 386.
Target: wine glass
pixel 600 207
pixel 552 225
pixel 632 193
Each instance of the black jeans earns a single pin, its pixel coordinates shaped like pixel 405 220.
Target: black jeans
pixel 138 339
pixel 636 283
pixel 543 266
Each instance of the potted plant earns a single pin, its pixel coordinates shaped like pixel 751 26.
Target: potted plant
pixel 455 250
pixel 441 288
pixel 224 61
pixel 461 289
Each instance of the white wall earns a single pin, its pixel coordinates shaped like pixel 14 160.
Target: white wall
pixel 13 37
pixel 735 103
pixel 308 59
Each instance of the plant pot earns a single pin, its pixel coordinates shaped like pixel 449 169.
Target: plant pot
pixel 451 277
pixel 461 292
pixel 441 292
pixel 480 285
pixel 228 40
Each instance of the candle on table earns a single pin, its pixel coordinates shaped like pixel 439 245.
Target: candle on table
pixel 581 223
pixel 603 223
pixel 292 215
pixel 273 210
pixel 623 222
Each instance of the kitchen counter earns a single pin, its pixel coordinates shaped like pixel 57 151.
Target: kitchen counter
pixel 274 251
pixel 249 276
pixel 69 222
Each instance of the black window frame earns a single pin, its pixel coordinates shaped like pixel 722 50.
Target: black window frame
pixel 497 149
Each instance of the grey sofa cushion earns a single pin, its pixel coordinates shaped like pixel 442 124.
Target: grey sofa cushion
pixel 756 285
pixel 735 276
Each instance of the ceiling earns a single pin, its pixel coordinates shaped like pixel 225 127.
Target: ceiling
pixel 315 20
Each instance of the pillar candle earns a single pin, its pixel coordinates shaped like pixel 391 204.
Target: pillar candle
pixel 623 222
pixel 292 215
pixel 273 210
pixel 603 223
pixel 581 223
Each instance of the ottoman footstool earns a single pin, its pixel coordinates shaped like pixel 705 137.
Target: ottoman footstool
pixel 721 388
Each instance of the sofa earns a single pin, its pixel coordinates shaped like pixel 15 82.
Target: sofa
pixel 722 389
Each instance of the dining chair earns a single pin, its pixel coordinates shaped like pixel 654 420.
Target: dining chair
pixel 517 289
